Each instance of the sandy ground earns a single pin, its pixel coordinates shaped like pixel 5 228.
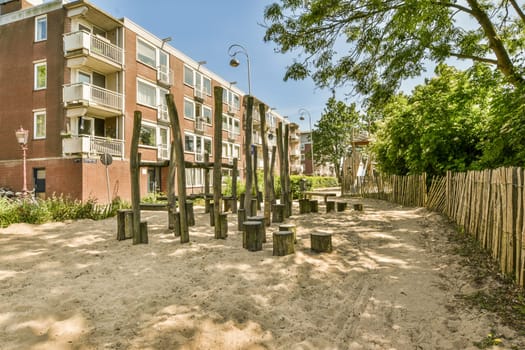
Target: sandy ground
pixel 390 283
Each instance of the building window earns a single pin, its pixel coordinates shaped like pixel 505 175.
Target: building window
pixel 206 114
pixel 40 75
pixel 41 28
pixel 146 53
pixel 39 120
pixel 148 135
pixel 206 85
pixel 189 143
pixel 189 109
pixel 188 76
pixel 146 94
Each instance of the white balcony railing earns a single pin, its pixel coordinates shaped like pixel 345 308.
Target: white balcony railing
pixel 199 157
pixel 163 152
pixel 94 95
pixel 165 75
pixel 163 113
pixel 94 45
pixel 92 145
pixel 198 92
pixel 199 124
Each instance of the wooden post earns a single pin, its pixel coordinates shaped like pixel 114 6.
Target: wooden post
pixel 124 232
pixel 181 173
pixel 286 154
pixel 261 220
pixel 314 206
pixel 144 232
pixel 321 242
pixel 358 207
pixel 267 181
pixel 206 183
pixel 248 155
pixel 235 174
pixel 223 219
pixel 134 165
pixel 283 243
pixel 330 206
pixel 282 173
pixel 341 206
pixel 212 215
pixel 217 156
pixel 172 205
pixel 190 213
pixel 304 206
pixel 241 201
pixel 278 212
pixel 272 170
pixel 255 178
pixel 241 218
pixel 253 235
pixel 253 206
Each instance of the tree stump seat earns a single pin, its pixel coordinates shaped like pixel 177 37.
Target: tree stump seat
pixel 304 206
pixel 262 220
pixel 241 218
pixel 283 243
pixel 124 224
pixel 314 206
pixel 358 207
pixel 321 242
pixel 252 235
pixel 289 227
pixel 341 206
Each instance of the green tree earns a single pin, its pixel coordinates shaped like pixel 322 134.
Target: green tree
pixel 374 45
pixel 440 126
pixel 333 133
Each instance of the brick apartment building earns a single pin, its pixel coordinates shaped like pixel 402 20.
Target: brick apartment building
pixel 73 76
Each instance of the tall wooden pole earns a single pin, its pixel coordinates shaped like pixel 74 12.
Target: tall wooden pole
pixel 248 155
pixel 281 167
pixel 235 174
pixel 217 157
pixel 172 206
pixel 134 168
pixel 206 182
pixel 286 151
pixel 181 173
pixel 266 167
pixel 272 170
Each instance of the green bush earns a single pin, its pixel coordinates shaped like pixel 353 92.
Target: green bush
pixel 312 182
pixel 8 212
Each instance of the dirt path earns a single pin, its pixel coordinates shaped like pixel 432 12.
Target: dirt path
pixel 391 283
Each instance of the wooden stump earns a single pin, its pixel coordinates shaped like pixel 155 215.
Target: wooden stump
pixel 121 224
pixel 277 212
pixel 330 206
pixel 227 203
pixel 241 218
pixel 304 206
pixel 283 243
pixel 358 207
pixel 207 205
pixel 341 206
pixel 289 227
pixel 212 216
pixel 190 215
pixel 321 242
pixel 129 223
pixel 263 222
pixel 314 206
pixel 259 199
pixel 176 219
pixel 144 232
pixel 223 217
pixel 252 235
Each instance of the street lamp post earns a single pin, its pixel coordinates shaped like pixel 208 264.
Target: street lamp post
pixel 303 111
pixel 235 49
pixel 22 136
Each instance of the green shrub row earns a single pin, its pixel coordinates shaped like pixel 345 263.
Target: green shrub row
pixel 56 208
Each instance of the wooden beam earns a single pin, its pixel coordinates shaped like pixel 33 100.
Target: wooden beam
pixel 266 168
pixel 179 162
pixel 134 169
pixel 248 155
pixel 217 155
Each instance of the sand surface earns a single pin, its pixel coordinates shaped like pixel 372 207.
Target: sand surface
pixel 390 283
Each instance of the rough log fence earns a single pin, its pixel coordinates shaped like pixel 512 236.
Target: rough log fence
pixel 487 204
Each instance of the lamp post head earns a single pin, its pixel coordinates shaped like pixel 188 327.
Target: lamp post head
pixel 22 136
pixel 234 62
pixel 301 118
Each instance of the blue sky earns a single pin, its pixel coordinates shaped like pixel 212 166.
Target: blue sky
pixel 204 29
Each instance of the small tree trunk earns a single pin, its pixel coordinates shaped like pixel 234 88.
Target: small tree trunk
pixel 283 243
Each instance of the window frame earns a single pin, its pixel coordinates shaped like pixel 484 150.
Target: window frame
pixel 39 36
pixel 36 66
pixel 38 113
pixel 145 43
pixel 192 136
pixel 155 96
pixel 190 101
pixel 152 126
pixel 186 70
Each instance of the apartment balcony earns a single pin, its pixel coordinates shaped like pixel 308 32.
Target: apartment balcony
pixel 294 138
pixel 92 145
pixel 163 114
pixel 163 152
pixel 99 101
pixel 296 154
pixel 85 49
pixel 165 76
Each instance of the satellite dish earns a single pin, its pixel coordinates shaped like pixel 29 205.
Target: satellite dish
pixel 106 159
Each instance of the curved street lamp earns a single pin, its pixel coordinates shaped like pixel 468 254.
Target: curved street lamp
pixel 302 112
pixel 233 51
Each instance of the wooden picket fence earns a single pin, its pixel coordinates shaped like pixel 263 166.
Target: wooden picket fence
pixel 488 204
